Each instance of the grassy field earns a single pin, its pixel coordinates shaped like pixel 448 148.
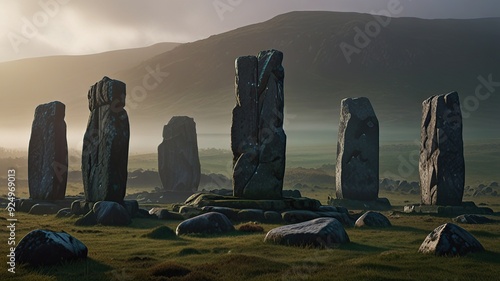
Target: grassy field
pixel 126 253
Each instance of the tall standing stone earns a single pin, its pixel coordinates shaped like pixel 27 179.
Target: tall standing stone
pixel 178 160
pixel 258 141
pixel 106 143
pixel 357 169
pixel 442 165
pixel 48 153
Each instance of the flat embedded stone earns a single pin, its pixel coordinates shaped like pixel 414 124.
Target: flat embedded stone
pixel 321 232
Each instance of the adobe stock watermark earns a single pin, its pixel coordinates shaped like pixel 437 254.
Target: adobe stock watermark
pixel 485 88
pixel 372 29
pixel 11 220
pixel 482 92
pixel 224 6
pixel 30 27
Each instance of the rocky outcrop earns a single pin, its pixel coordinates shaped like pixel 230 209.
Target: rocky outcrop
pixel 178 160
pixel 450 240
pixel 257 138
pixel 45 247
pixel 321 233
pixel 441 165
pixel 106 143
pixel 48 153
pixel 209 223
pixel 357 169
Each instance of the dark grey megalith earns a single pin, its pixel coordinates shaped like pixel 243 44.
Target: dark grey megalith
pixel 357 166
pixel 178 160
pixel 258 141
pixel 106 143
pixel 442 165
pixel 48 153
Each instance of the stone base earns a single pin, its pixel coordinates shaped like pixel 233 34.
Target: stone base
pixel 44 207
pixel 160 197
pixel 289 210
pixel 448 211
pixel 82 207
pixel 381 204
pixel 209 199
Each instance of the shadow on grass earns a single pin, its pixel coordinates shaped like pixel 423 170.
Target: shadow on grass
pixel 404 229
pixel 148 223
pixel 486 257
pixel 352 246
pixel 88 269
pixel 235 233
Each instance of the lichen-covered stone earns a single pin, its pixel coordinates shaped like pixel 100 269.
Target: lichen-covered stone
pixel 48 153
pixel 450 240
pixel 106 143
pixel 442 165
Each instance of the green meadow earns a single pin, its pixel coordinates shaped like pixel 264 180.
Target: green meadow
pixel 143 251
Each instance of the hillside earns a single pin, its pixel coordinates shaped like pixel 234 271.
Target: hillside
pixel 408 61
pixel 27 83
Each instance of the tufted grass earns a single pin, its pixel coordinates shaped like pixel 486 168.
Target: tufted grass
pixel 127 253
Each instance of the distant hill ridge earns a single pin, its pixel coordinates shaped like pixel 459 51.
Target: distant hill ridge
pixel 409 60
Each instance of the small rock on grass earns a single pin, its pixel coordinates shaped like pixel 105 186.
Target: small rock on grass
pixel 209 223
pixel 46 247
pixel 450 240
pixel 321 233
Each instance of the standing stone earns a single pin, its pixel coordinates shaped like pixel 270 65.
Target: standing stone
pixel 442 165
pixel 178 160
pixel 106 143
pixel 48 153
pixel 357 151
pixel 258 141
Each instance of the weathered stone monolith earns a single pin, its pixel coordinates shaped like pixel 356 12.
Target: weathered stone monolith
pixel 106 143
pixel 48 153
pixel 442 165
pixel 178 160
pixel 258 141
pixel 357 166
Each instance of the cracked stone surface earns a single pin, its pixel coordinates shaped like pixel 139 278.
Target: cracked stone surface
pixel 450 240
pixel 357 169
pixel 442 165
pixel 258 140
pixel 106 143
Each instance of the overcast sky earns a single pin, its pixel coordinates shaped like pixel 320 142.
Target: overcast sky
pixel 57 27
